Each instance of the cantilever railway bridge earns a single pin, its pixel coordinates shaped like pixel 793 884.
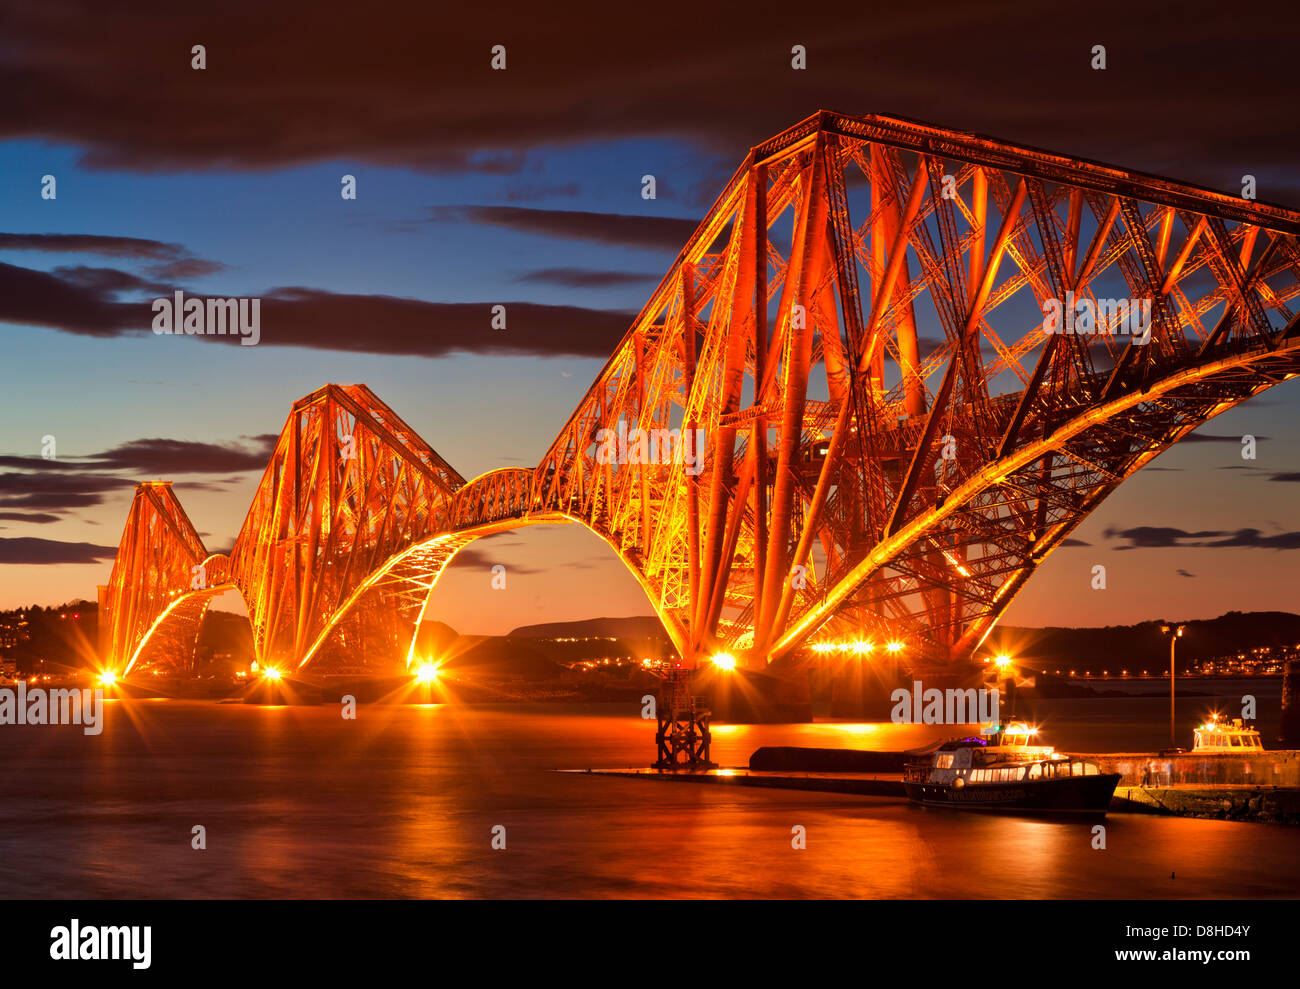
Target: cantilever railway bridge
pixel 894 440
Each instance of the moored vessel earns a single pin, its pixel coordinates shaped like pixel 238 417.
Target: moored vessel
pixel 1000 770
pixel 1217 737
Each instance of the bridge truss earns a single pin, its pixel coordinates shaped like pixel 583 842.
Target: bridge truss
pixel 894 439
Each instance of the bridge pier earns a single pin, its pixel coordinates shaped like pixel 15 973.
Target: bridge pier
pixel 682 738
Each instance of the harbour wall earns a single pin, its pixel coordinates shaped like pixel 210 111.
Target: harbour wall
pixel 1280 767
pixel 1225 802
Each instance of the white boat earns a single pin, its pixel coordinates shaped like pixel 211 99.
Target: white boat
pixel 1217 737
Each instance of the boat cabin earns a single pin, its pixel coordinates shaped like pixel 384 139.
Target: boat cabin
pixel 1218 737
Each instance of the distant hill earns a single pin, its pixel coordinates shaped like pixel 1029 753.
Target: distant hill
pixel 501 656
pixel 637 626
pixel 544 651
pixel 541 650
pixel 435 637
pixel 1144 644
pixel 227 633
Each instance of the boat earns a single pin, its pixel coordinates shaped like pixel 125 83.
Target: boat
pixel 1216 737
pixel 1000 769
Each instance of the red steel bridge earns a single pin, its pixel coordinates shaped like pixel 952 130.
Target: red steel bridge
pixel 894 437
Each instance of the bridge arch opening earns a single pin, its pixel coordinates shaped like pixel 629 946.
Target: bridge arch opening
pixel 174 644
pixel 562 574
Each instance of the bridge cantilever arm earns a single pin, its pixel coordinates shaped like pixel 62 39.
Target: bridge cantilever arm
pixel 1009 221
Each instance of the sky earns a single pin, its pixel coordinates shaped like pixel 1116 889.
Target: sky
pixel 523 186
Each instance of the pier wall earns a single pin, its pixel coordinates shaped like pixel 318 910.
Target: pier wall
pixel 1277 768
pixel 1224 803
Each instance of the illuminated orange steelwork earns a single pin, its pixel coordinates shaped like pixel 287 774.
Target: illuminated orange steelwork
pixel 904 493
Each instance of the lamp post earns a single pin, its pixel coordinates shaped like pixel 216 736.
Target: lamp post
pixel 1174 632
pixel 1002 662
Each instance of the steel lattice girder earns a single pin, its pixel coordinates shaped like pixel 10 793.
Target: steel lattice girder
pixel 894 441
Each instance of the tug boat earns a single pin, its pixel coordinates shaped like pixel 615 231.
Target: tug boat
pixel 1216 737
pixel 1000 770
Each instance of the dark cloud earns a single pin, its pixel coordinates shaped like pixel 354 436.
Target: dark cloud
pixel 1291 477
pixel 480 557
pixel 1254 538
pixel 659 233
pixel 161 457
pixel 54 490
pixel 34 518
pixel 186 268
pixel 1215 438
pixel 126 247
pixel 1155 537
pixel 304 317
pixel 588 278
pixel 66 302
pixel 1071 541
pixel 1184 573
pixel 172 260
pixel 412 85
pixel 109 281
pixel 29 550
pixel 83 301
pixel 1164 537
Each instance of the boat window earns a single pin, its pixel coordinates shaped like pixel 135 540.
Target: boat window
pixel 1089 769
pixel 1035 771
pixel 944 761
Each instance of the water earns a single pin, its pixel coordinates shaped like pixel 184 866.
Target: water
pixel 298 802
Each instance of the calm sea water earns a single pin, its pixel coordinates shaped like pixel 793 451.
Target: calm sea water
pixel 298 802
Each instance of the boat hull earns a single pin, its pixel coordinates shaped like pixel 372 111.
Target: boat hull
pixel 1070 795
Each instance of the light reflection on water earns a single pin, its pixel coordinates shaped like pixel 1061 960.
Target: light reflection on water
pixel 298 802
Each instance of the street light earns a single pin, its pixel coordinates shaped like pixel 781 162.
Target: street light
pixel 1174 632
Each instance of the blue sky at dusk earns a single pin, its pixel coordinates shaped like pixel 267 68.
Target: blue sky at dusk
pixel 442 216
